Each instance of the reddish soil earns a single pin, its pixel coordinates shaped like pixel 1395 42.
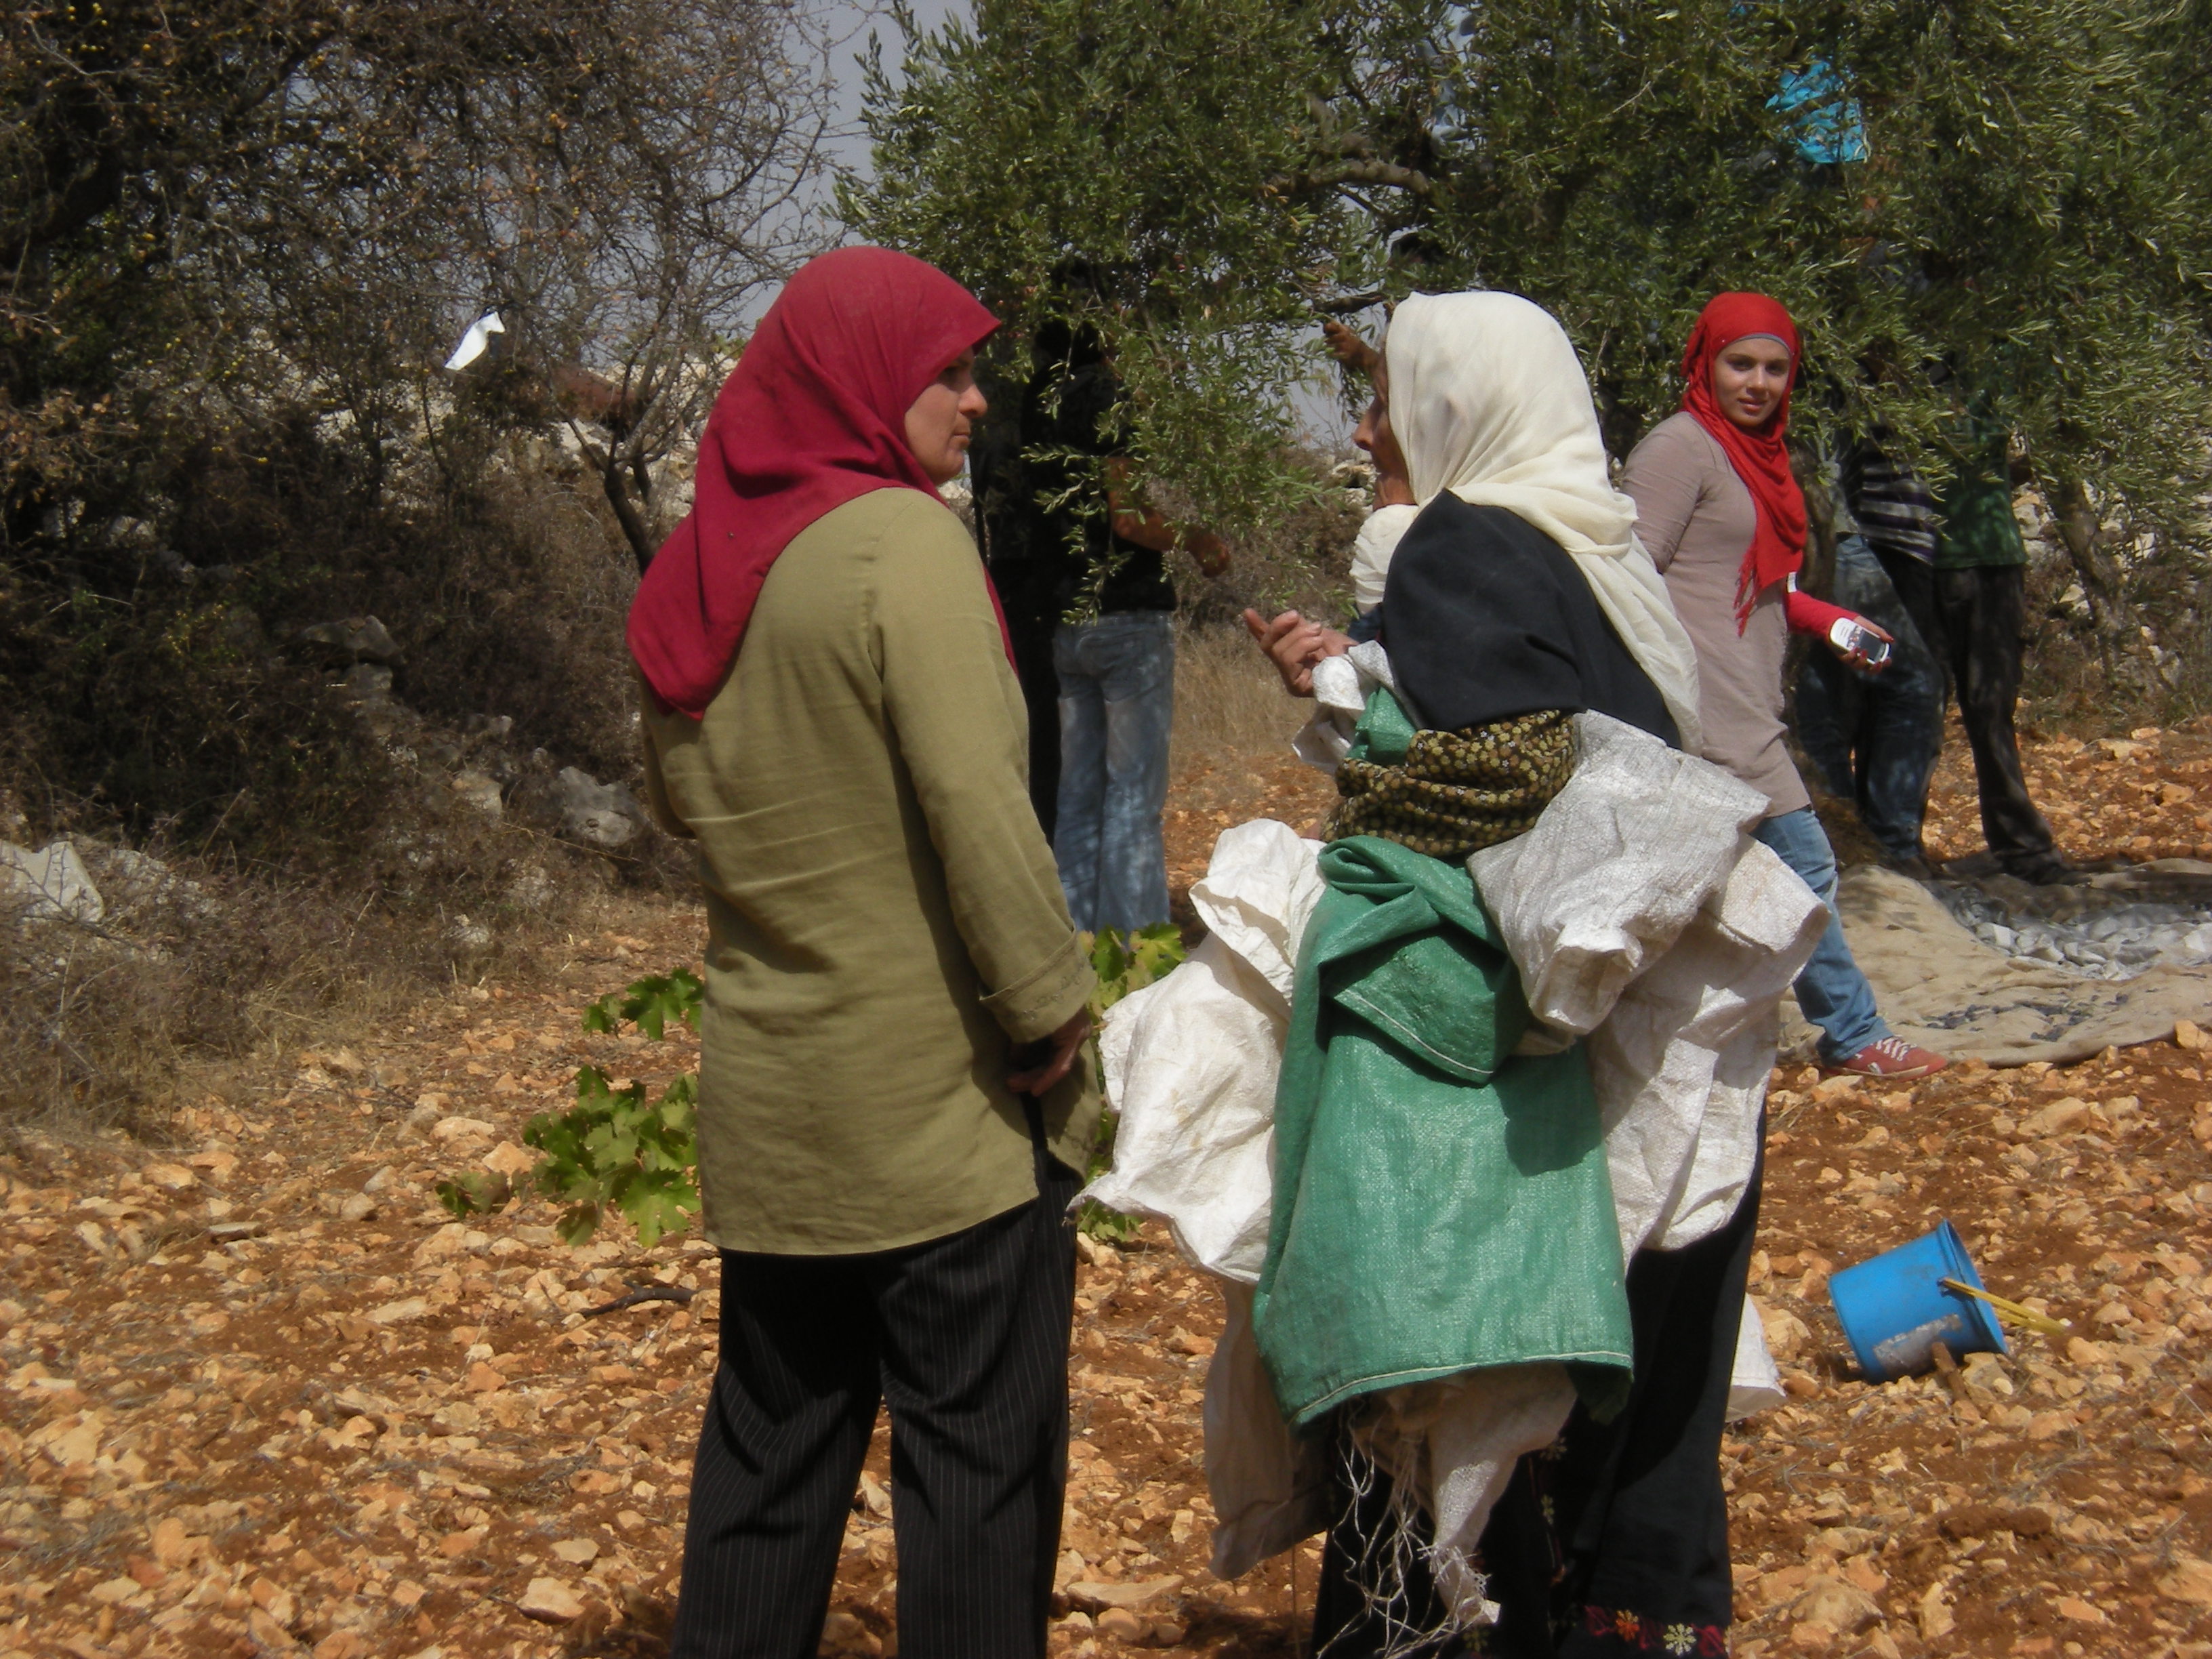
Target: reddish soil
pixel 261 1396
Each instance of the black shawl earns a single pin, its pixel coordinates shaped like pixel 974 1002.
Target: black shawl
pixel 1486 617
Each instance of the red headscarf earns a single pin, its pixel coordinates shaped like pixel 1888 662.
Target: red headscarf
pixel 1761 459
pixel 813 416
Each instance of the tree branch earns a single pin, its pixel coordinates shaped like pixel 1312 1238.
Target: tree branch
pixel 1387 174
pixel 609 463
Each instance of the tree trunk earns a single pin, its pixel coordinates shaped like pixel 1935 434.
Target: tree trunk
pixel 2102 582
pixel 626 513
pixel 611 463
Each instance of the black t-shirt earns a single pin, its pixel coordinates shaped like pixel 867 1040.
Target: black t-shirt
pixel 1045 559
pixel 1486 617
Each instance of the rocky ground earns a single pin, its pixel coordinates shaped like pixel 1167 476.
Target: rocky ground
pixel 261 1396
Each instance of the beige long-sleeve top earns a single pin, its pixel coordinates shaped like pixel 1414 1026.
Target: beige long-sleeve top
pixel 1697 519
pixel 885 919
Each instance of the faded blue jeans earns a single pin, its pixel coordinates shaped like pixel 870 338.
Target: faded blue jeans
pixel 1116 703
pixel 1832 991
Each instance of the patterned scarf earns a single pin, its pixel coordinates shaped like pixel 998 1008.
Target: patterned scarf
pixel 1456 793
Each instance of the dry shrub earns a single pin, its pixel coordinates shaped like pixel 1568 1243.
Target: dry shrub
pixel 2161 678
pixel 204 961
pixel 1230 707
pixel 97 1023
pixel 2064 685
pixel 507 600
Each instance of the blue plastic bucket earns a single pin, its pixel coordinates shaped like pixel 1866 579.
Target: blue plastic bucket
pixel 1894 1312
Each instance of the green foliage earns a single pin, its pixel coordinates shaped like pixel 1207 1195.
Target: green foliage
pixel 1129 962
pixel 1095 1220
pixel 649 1004
pixel 1124 962
pixel 475 1192
pixel 2033 227
pixel 1103 165
pixel 615 1149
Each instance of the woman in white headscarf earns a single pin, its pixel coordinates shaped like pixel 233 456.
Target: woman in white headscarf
pixel 1518 596
pixel 1487 403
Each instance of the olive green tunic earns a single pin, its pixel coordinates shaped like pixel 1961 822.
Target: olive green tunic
pixel 884 921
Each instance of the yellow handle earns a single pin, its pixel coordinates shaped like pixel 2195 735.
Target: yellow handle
pixel 2012 1310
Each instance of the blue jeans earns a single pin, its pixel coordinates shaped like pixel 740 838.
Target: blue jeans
pixel 1832 991
pixel 1116 703
pixel 1876 736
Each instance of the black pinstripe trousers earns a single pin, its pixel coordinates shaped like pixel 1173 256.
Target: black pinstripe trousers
pixel 966 1337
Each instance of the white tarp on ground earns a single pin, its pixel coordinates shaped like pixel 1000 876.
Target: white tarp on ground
pixel 1644 918
pixel 1939 985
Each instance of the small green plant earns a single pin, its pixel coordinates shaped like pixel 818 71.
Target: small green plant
pixel 1129 962
pixel 614 1149
pixel 1124 962
pixel 475 1192
pixel 649 1004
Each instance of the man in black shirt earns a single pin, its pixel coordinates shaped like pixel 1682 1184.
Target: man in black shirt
pixel 1083 572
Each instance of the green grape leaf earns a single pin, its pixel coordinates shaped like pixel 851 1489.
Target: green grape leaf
pixel 659 1201
pixel 1108 1226
pixel 1130 962
pixel 652 1002
pixel 615 1147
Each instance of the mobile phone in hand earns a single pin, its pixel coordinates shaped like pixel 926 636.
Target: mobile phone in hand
pixel 1848 636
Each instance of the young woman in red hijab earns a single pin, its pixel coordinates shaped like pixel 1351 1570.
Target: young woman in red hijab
pixel 889 1116
pixel 1720 512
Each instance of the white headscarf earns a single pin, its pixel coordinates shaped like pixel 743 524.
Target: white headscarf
pixel 1489 401
pixel 1371 549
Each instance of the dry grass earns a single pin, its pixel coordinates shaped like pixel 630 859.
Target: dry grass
pixel 1231 755
pixel 1229 703
pixel 98 1025
pixel 192 980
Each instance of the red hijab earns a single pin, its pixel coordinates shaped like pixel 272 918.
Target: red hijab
pixel 813 416
pixel 1761 459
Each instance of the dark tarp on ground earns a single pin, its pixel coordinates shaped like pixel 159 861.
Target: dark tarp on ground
pixel 1939 985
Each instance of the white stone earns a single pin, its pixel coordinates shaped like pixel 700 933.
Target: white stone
pixel 550 1600
pixel 478 791
pixel 51 885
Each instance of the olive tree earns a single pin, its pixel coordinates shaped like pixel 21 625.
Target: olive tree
pixel 2020 218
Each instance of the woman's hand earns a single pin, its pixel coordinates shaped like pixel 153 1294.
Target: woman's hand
pixel 1348 348
pixel 1855 657
pixel 1040 1065
pixel 1294 646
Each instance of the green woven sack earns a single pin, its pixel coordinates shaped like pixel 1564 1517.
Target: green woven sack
pixel 1441 1203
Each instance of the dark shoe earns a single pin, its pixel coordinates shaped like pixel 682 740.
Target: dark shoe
pixel 1892 1058
pixel 2043 870
pixel 1915 867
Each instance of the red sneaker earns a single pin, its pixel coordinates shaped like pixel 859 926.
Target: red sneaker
pixel 1892 1057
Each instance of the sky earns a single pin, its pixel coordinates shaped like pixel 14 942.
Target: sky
pixel 849 25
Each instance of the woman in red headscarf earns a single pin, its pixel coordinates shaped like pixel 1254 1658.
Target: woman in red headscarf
pixel 1720 512
pixel 890 1119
